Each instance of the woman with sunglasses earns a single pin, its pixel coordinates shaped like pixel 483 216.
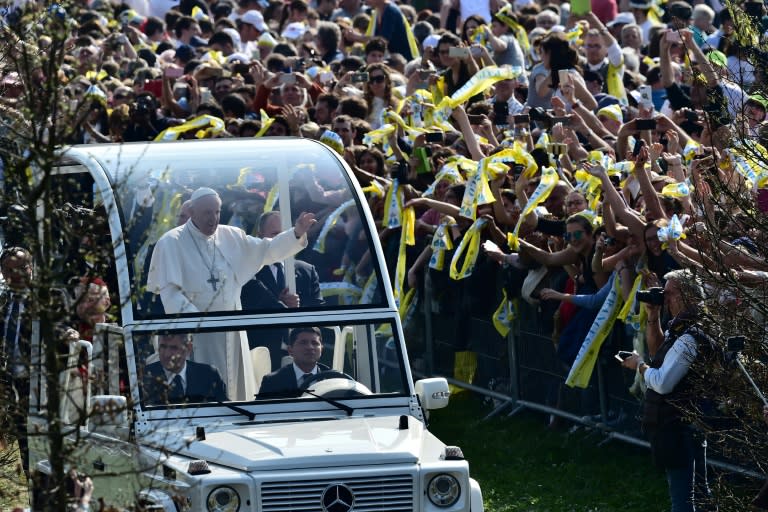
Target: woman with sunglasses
pixel 378 93
pixel 578 253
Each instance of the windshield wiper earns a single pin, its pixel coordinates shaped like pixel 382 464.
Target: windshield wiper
pixel 331 401
pixel 245 412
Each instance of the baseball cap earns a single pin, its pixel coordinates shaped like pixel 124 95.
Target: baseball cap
pixel 254 18
pixel 623 18
pixel 294 30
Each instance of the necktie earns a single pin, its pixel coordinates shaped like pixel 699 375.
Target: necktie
pixel 305 379
pixel 11 328
pixel 176 390
pixel 280 276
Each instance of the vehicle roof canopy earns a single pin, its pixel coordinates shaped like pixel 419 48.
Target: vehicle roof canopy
pixel 143 186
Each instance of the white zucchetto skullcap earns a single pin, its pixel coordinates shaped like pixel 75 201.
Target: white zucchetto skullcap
pixel 202 192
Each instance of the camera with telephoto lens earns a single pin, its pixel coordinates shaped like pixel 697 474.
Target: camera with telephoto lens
pixel 653 296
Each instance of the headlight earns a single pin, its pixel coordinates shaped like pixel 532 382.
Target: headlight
pixel 443 490
pixel 223 499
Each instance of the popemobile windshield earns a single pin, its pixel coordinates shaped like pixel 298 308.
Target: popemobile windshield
pixel 275 376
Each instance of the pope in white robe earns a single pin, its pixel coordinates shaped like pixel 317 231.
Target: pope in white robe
pixel 201 266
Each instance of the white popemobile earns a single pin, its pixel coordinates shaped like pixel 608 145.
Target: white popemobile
pixel 354 440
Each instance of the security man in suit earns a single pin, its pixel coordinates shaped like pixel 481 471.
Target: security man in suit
pixel 268 290
pixel 305 345
pixel 174 379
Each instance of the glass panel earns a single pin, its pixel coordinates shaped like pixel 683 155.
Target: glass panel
pixel 219 272
pixel 342 361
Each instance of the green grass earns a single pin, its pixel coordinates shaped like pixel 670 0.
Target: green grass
pixel 523 466
pixel 13 492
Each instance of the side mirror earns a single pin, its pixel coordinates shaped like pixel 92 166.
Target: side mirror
pixel 109 416
pixel 433 393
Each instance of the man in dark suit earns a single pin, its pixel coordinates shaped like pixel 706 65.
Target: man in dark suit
pixel 305 345
pixel 268 290
pixel 173 379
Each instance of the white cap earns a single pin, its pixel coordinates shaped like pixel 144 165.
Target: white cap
pixel 294 30
pixel 202 192
pixel 254 18
pixel 623 18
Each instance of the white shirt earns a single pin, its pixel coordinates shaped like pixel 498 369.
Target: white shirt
pixel 675 366
pixel 300 373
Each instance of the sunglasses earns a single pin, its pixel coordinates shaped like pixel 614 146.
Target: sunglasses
pixel 575 236
pixel 377 79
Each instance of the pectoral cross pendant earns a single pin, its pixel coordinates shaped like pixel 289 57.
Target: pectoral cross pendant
pixel 213 280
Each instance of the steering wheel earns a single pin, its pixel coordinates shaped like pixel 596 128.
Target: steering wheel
pixel 334 384
pixel 325 375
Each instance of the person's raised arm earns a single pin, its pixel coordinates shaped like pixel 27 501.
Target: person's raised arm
pixel 665 62
pixel 704 65
pixel 622 212
pixel 473 146
pixel 440 206
pixel 643 175
pixel 551 259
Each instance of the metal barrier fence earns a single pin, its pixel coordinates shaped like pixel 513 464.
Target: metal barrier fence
pixel 523 371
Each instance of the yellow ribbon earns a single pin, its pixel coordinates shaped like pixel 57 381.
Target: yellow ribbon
pixel 630 304
pixel 407 237
pixel 213 124
pixel 480 82
pixel 375 189
pixel 331 221
pixel 266 122
pixel 504 315
pixel 614 80
pixel 549 179
pixel 505 16
pixel 271 200
pixel 470 243
pixel 412 43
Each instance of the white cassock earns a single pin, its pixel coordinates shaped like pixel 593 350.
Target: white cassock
pixel 183 263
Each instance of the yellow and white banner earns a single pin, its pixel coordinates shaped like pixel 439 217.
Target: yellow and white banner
pixel 205 126
pixel 582 368
pixel 549 179
pixel 331 221
pixel 407 237
pixel 441 242
pixel 504 315
pixel 471 244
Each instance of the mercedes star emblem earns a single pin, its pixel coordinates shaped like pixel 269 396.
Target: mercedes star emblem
pixel 337 498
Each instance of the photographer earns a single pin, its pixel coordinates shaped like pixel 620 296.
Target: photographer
pixel 676 446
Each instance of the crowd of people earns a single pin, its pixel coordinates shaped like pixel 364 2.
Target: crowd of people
pixel 578 146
